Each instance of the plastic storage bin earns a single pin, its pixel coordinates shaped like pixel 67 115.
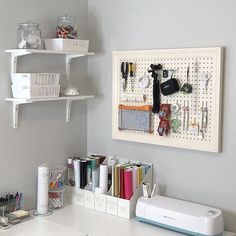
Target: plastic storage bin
pixel 35 79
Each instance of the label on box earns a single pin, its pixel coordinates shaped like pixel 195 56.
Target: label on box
pixel 100 202
pixel 112 205
pixel 89 199
pixel 78 198
pixel 124 208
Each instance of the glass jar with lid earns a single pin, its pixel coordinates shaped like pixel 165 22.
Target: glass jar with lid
pixel 29 36
pixel 66 27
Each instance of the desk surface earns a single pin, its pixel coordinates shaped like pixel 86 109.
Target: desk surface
pixel 78 221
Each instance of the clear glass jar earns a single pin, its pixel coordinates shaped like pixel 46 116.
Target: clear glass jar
pixel 29 36
pixel 66 27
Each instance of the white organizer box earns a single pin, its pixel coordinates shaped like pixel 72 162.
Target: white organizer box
pixel 67 44
pixel 35 79
pixel 209 63
pixel 105 202
pixel 21 91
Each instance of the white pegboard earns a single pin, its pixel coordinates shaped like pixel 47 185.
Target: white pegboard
pixel 207 61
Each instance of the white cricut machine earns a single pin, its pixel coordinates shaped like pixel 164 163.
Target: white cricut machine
pixel 181 216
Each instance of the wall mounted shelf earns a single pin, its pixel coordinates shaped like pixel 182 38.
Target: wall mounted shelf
pixel 15 53
pixel 16 102
pixel 69 55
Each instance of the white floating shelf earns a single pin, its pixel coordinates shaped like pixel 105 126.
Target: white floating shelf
pixel 22 52
pixel 16 102
pixel 15 53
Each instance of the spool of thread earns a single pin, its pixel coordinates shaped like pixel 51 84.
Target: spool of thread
pixel 103 180
pixel 42 193
pixel 77 173
pixel 95 179
pixel 128 184
pixel 83 173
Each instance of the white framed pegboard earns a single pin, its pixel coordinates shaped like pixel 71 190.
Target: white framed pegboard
pixel 197 115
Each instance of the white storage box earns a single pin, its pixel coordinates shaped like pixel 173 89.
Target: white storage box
pixel 59 44
pixel 105 202
pixel 35 91
pixel 35 79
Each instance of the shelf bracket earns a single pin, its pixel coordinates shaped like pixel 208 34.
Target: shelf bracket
pixel 15 112
pixel 15 107
pixel 14 59
pixel 68 110
pixel 68 64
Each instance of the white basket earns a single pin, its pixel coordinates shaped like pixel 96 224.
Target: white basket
pixel 59 44
pixel 35 91
pixel 35 79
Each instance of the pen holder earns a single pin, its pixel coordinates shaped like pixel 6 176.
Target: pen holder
pixel 56 187
pixel 55 199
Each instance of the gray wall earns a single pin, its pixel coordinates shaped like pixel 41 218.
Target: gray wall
pixel 43 136
pixel 127 25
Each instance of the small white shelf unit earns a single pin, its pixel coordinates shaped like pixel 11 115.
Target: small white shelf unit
pixel 16 102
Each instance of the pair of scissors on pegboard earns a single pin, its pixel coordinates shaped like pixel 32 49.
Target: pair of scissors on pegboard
pixel 124 72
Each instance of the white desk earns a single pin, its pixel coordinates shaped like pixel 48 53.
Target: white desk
pixel 79 221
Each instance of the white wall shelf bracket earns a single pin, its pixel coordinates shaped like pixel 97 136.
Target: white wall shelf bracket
pixel 68 110
pixel 14 60
pixel 68 64
pixel 15 110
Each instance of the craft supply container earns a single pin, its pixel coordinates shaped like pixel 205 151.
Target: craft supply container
pixel 66 27
pixel 56 187
pixel 29 36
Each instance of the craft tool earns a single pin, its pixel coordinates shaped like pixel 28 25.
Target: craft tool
pixel 186 116
pixel 132 97
pixel 124 74
pixel 194 128
pixel 135 118
pixel 144 81
pixel 194 105
pixel 146 190
pixel 156 87
pixel 154 190
pixel 201 132
pixel 204 79
pixel 187 87
pixel 175 121
pixel 132 74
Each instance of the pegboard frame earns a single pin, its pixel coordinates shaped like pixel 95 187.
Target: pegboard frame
pixel 215 52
